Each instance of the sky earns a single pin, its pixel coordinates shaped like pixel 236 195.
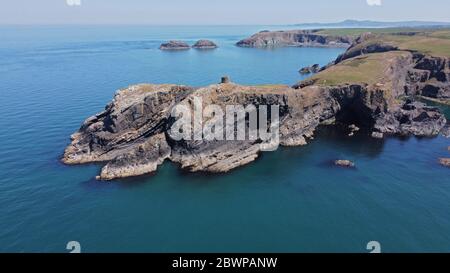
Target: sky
pixel 217 12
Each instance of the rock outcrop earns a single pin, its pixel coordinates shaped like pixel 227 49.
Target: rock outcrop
pixel 204 44
pixel 301 38
pixel 344 163
pixel 430 77
pixel 310 69
pixel 175 45
pixel 413 118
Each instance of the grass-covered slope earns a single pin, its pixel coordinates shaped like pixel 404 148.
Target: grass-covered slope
pixel 369 69
pixel 434 42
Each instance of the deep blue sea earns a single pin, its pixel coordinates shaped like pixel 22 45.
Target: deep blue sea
pixel 292 200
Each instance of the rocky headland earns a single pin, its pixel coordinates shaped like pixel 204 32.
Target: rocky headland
pixel 302 38
pixel 366 88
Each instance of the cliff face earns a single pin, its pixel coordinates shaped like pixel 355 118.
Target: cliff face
pixel 132 137
pixel 430 77
pixel 295 38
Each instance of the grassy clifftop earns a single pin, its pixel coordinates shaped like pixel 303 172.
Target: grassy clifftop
pixel 369 69
pixel 434 42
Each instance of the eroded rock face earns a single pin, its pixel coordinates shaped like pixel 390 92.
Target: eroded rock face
pixel 413 118
pixel 174 45
pixel 430 77
pixel 132 135
pixel 295 38
pixel 204 44
pixel 134 115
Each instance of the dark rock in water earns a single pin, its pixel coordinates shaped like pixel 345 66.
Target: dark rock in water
pixel 446 131
pixel 310 69
pixel 353 129
pixel 204 44
pixel 445 162
pixel 344 163
pixel 174 45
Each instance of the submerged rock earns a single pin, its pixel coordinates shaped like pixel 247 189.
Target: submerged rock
pixel 204 44
pixel 174 45
pixel 445 162
pixel 377 135
pixel 344 163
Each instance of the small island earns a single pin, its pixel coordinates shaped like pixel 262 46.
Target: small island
pixel 204 44
pixel 175 45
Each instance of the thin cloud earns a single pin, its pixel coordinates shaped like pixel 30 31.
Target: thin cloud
pixel 374 2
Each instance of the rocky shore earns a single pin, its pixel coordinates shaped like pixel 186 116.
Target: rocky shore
pixel 310 69
pixel 367 87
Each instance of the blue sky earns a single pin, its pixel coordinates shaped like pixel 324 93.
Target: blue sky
pixel 220 12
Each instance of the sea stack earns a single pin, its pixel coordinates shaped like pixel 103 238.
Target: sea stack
pixel 204 44
pixel 175 45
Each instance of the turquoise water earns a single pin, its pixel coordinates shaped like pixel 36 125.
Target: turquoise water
pixel 292 200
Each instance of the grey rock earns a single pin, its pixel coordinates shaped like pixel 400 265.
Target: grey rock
pixel 377 135
pixel 310 69
pixel 204 44
pixel 175 45
pixel 344 163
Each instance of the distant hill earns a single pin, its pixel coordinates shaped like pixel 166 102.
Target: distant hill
pixel 374 24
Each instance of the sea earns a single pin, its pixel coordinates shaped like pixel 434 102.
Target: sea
pixel 292 200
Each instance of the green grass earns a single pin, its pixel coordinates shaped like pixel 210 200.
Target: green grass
pixel 369 69
pixel 358 31
pixel 429 41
